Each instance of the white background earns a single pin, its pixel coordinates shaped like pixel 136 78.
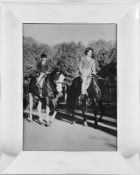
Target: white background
pixel 125 14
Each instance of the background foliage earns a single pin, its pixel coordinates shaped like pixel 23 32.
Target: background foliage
pixel 66 55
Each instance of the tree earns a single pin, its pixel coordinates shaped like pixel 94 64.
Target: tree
pixel 101 44
pixel 113 55
pixel 102 58
pixel 32 51
pixel 68 56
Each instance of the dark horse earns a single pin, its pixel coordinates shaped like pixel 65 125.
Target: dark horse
pixel 49 98
pixel 95 91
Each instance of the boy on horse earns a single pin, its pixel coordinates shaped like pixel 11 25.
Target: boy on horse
pixel 42 69
pixel 87 68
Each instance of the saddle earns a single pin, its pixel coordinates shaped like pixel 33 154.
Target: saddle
pixel 40 81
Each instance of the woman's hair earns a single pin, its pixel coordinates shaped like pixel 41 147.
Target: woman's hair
pixel 87 49
pixel 43 55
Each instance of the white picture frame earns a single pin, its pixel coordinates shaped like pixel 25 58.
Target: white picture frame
pixel 126 15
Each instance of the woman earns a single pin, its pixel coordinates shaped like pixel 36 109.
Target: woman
pixel 86 68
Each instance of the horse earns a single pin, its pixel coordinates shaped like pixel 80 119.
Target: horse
pixel 95 92
pixel 50 95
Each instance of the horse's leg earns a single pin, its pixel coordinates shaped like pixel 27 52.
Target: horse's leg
pixel 40 112
pixel 65 98
pixel 30 107
pixel 47 115
pixel 53 116
pixel 70 106
pixel 95 107
pixel 84 109
pixel 73 117
pixel 72 111
pixel 84 116
pixel 54 105
pixel 26 102
pixel 101 109
pixel 26 106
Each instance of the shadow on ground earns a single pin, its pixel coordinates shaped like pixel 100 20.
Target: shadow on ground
pixel 79 120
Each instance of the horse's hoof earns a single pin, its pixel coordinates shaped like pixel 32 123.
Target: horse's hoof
pixel 73 122
pixel 100 118
pixel 48 124
pixel 51 121
pixel 96 124
pixel 85 124
pixel 41 123
pixel 25 116
pixel 45 125
pixel 30 120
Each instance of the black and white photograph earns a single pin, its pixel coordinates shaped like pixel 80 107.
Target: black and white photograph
pixel 69 87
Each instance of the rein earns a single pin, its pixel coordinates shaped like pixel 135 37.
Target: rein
pixel 97 77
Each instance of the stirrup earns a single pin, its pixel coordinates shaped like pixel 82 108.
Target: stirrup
pixel 41 95
pixel 38 85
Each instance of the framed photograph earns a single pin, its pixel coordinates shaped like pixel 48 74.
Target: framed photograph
pixel 70 44
pixel 70 86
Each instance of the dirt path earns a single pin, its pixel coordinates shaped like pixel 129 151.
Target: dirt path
pixel 64 136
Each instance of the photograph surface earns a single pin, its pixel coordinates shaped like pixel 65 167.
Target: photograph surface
pixel 70 87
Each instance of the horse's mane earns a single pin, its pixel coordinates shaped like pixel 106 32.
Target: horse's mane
pixel 51 76
pixel 107 69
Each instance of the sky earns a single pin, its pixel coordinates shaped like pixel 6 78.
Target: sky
pixel 52 34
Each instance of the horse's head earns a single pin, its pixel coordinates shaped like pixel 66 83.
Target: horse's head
pixel 55 73
pixel 53 83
